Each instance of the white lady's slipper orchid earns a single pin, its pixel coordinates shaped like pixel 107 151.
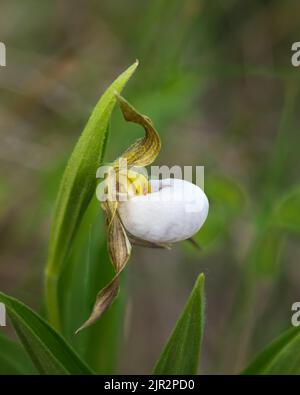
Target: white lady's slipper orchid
pixel 174 210
pixel 155 213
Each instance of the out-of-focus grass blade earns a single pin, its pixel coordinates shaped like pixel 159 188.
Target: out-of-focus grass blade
pixel 13 358
pixel 282 356
pixel 77 188
pixel 266 251
pixel 287 211
pixel 182 351
pixel 47 349
pixel 227 199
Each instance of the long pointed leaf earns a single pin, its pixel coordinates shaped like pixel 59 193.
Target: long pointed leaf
pixel 13 358
pixel 282 356
pixel 77 188
pixel 47 349
pixel 182 351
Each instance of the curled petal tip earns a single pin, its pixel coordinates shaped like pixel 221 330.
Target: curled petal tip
pixel 78 330
pixel 144 151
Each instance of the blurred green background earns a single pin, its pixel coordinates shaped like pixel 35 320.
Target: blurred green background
pixel 217 81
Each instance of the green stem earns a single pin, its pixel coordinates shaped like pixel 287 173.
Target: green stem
pixel 52 302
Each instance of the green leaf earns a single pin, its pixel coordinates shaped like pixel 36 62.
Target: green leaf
pixel 47 349
pixel 287 211
pixel 77 188
pixel 182 351
pixel 13 358
pixel 227 199
pixel 280 357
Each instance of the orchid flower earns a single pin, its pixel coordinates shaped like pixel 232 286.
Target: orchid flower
pixel 151 213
